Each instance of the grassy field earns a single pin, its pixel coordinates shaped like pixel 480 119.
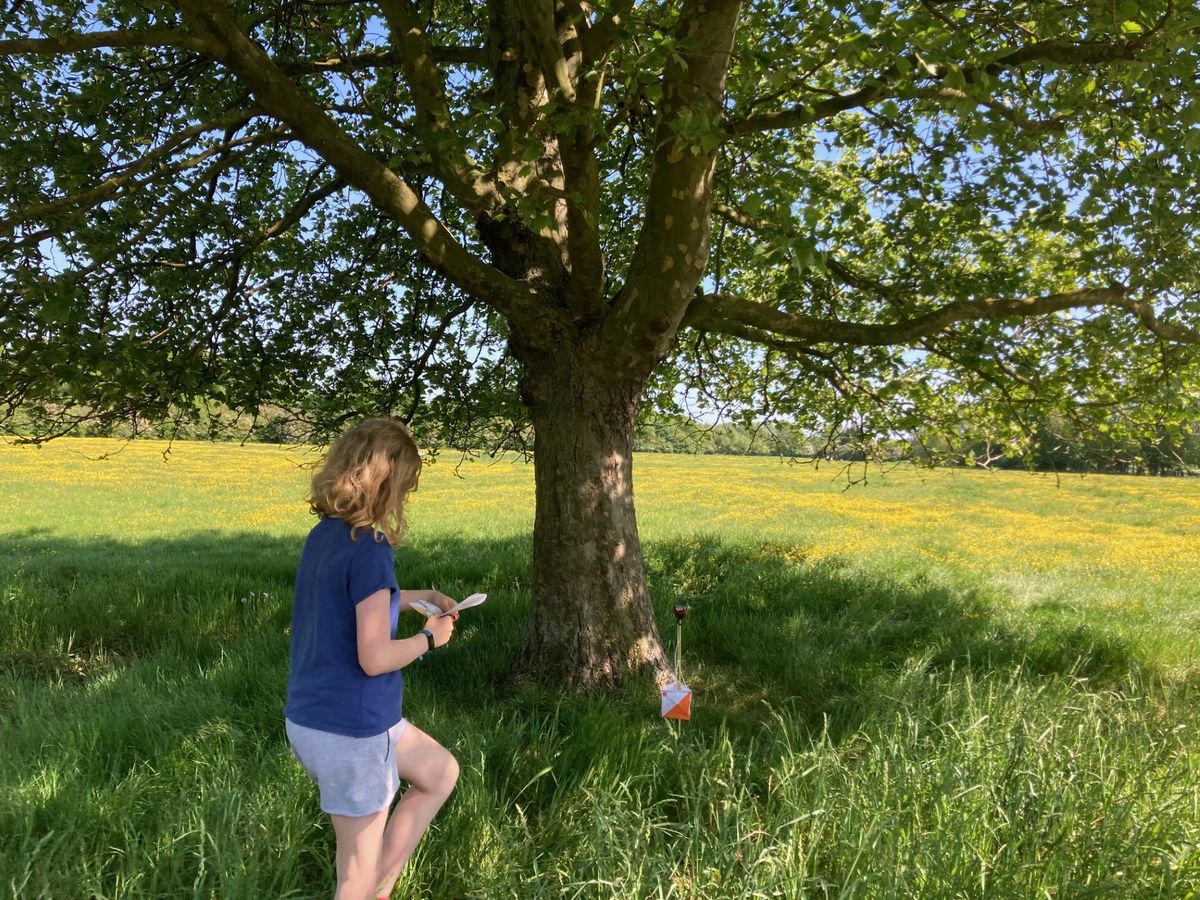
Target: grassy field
pixel 934 684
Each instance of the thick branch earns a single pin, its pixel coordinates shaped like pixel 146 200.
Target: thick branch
pixel 795 116
pixel 74 43
pixel 388 58
pixel 672 249
pixel 581 182
pixel 1179 334
pixel 725 314
pixel 461 174
pixel 598 40
pixel 538 16
pixel 581 176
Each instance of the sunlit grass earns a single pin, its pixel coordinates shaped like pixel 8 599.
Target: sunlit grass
pixel 933 684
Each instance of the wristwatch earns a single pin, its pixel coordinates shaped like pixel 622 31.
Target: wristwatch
pixel 429 637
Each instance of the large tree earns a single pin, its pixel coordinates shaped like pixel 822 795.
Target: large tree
pixel 868 217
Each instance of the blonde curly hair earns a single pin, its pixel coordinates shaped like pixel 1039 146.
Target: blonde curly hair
pixel 366 478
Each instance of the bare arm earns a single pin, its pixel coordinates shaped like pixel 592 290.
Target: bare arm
pixel 377 652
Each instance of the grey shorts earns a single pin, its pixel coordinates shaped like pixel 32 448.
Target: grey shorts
pixel 356 776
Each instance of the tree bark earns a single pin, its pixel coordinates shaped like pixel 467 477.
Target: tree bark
pixel 591 619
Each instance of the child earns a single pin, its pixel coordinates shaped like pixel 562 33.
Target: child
pixel 343 714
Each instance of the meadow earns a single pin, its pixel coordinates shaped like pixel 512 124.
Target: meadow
pixel 930 684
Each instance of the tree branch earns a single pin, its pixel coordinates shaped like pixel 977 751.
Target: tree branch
pixel 292 217
pixel 598 40
pixel 885 85
pixel 795 116
pixel 672 248
pixel 839 270
pixel 96 196
pixel 109 187
pixel 581 177
pixel 390 57
pixel 289 220
pixel 255 69
pixel 461 174
pixel 74 43
pixel 538 16
pixel 726 314
pixel 415 380
pixel 1016 116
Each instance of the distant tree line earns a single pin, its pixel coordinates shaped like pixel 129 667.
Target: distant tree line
pixel 690 436
pixel 1052 442
pixel 1057 444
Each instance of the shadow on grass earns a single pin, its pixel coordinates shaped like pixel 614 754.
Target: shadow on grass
pixel 767 625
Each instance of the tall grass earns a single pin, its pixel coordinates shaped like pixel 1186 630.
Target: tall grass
pixel 878 714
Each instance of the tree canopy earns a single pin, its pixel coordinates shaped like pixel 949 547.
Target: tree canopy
pixel 864 217
pixel 919 211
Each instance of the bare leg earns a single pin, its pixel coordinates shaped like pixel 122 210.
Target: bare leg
pixel 431 772
pixel 359 839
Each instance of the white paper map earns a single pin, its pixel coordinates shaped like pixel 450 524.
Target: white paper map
pixel 431 609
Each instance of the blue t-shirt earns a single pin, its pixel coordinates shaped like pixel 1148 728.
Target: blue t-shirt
pixel 327 689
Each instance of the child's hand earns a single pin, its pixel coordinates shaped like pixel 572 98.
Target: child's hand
pixel 442 601
pixel 441 627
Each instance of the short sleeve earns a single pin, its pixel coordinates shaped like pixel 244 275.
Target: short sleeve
pixel 372 568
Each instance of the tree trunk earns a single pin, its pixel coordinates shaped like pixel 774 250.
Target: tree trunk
pixel 591 619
